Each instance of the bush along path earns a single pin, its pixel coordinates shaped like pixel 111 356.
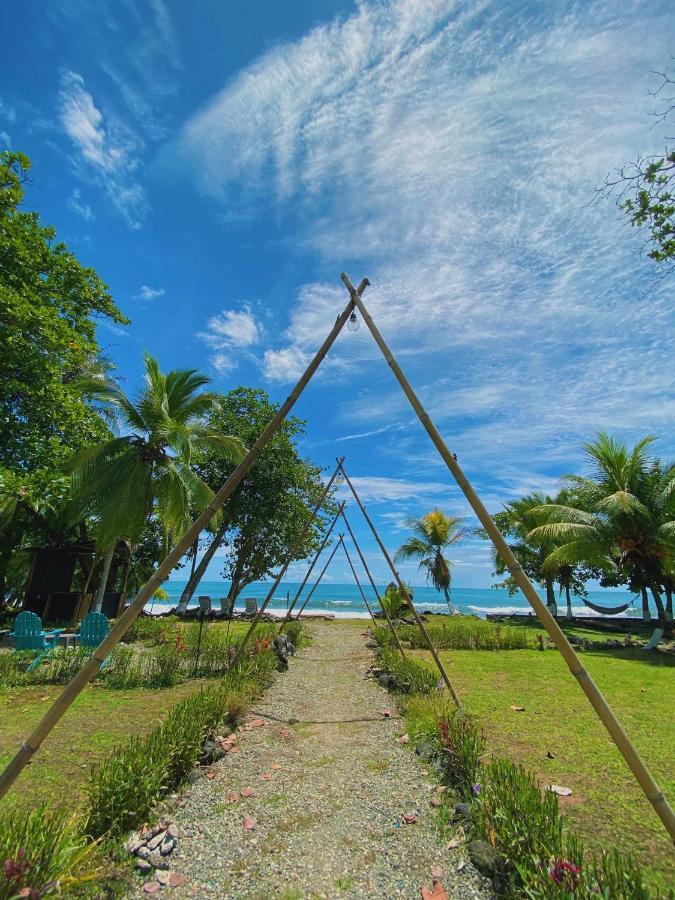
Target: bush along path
pixel 509 825
pixel 316 797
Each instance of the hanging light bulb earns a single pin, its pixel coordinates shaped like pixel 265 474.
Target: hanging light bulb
pixel 353 324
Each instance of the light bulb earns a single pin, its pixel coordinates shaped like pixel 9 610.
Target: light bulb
pixel 353 323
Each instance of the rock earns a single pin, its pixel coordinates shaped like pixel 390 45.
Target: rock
pixel 463 810
pixel 163 877
pixel 425 750
pixel 157 860
pixel 172 831
pixel 154 842
pixel 384 679
pixel 485 858
pixel 211 753
pixel 143 852
pixel 151 887
pixel 167 846
pixel 134 842
pixel 143 866
pixel 176 879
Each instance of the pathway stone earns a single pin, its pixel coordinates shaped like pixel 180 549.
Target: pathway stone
pixel 318 808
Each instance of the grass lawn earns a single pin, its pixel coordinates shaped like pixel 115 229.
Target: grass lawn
pixel 99 719
pixel 607 807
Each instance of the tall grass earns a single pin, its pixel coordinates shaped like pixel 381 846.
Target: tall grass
pixel 168 655
pixel 407 676
pixel 42 851
pixel 124 787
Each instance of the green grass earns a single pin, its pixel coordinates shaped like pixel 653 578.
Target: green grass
pixel 98 720
pixel 607 807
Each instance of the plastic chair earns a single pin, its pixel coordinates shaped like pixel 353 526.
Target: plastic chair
pixel 29 634
pixel 93 629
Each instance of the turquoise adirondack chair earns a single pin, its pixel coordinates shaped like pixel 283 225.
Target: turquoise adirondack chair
pixel 93 628
pixel 28 634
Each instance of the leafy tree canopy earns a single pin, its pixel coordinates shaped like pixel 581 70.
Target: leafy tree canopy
pixel 265 516
pixel 48 305
pixel 646 187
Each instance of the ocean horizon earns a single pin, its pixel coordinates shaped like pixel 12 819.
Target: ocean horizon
pixel 344 600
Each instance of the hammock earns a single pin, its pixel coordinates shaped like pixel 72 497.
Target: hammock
pixel 607 610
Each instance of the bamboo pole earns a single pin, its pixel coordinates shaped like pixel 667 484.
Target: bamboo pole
pixel 318 553
pixel 374 586
pixel 318 580
pixel 402 587
pixel 356 579
pixel 633 759
pixel 62 703
pixel 293 551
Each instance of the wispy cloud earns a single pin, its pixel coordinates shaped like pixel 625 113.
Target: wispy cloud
pixel 149 293
pixel 108 151
pixel 452 150
pixel 229 333
pixel 77 204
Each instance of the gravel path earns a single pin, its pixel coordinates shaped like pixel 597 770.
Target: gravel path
pixel 331 785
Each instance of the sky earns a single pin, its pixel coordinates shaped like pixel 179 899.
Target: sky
pixel 219 164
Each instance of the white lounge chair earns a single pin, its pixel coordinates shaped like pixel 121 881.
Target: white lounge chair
pixel 205 606
pixel 251 606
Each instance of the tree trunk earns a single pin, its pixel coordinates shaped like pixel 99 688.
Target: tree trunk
pixel 198 572
pixel 103 581
pixel 550 597
pixel 569 601
pixel 646 614
pixel 451 608
pixel 661 623
pixel 669 604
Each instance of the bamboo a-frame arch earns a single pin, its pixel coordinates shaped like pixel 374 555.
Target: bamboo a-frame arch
pixel 63 702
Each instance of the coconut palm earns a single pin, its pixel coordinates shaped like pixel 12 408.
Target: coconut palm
pixel 623 518
pixel 516 522
pixel 146 471
pixel 432 534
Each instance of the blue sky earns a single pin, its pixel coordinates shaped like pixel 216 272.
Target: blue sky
pixel 220 164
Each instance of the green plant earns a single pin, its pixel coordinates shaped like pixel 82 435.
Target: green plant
pixel 395 602
pixel 462 745
pixel 41 850
pixel 407 676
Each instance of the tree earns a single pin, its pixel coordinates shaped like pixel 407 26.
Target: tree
pixel 516 522
pixel 646 187
pixel 623 521
pixel 432 534
pixel 48 306
pixel 126 480
pixel 265 516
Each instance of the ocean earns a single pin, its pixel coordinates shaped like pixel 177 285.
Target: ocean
pixel 344 600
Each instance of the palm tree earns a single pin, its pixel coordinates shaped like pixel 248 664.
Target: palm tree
pixel 432 534
pixel 125 480
pixel 623 517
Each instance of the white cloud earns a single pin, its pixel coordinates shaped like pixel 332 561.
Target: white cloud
pixel 149 293
pixel 379 489
pixel 231 333
pixel 108 149
pixel 452 150
pixel 5 139
pixel 76 204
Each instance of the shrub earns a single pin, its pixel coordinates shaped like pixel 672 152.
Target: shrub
pixel 407 676
pixel 395 601
pixel 124 787
pixel 462 745
pixel 295 633
pixel 41 849
pixel 525 824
